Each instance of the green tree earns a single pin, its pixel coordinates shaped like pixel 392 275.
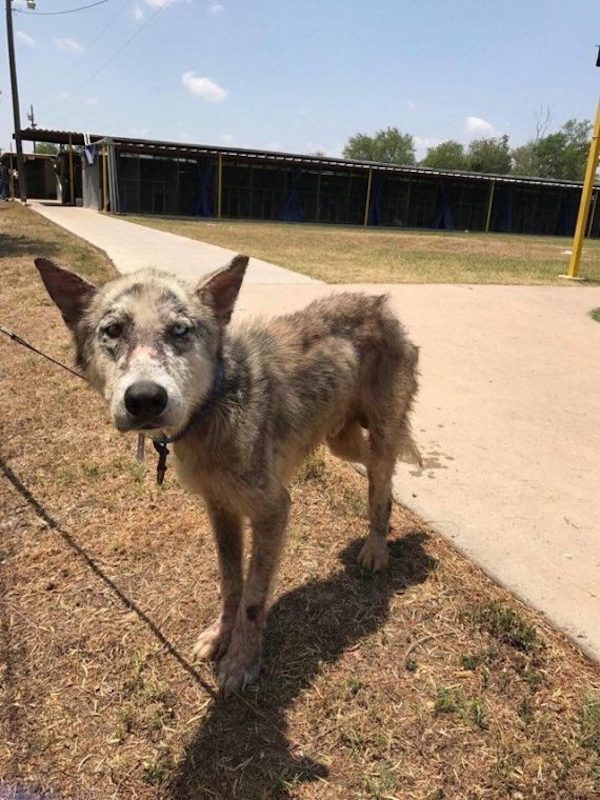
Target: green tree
pixel 47 148
pixel 525 159
pixel 447 155
pixel 564 154
pixel 389 146
pixel 489 155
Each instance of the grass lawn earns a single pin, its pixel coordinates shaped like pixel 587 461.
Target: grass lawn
pixel 357 255
pixel 427 682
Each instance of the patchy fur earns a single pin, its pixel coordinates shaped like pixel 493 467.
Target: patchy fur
pixel 341 371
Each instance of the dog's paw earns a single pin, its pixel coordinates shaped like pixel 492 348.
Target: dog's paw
pixel 374 555
pixel 212 643
pixel 239 668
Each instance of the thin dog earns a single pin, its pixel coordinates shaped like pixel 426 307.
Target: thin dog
pixel 244 406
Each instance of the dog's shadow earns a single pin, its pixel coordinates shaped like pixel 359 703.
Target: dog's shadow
pixel 241 749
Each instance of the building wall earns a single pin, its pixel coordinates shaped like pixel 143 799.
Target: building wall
pixel 307 193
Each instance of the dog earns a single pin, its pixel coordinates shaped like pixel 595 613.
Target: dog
pixel 244 406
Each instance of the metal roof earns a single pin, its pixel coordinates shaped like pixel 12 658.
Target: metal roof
pixel 185 150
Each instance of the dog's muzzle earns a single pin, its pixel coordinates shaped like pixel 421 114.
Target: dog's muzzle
pixel 145 401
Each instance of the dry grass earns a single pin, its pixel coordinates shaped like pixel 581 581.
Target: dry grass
pixel 355 255
pixel 425 683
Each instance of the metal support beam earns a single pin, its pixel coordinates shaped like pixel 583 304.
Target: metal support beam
pixel 488 219
pixel 586 196
pixel 104 178
pixel 219 185
pixel 15 101
pixel 368 198
pixel 71 175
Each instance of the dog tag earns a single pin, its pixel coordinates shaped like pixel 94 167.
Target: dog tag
pixel 141 440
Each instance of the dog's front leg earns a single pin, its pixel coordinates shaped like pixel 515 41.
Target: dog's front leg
pixel 227 526
pixel 241 663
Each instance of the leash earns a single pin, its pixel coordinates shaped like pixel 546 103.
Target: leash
pixel 19 340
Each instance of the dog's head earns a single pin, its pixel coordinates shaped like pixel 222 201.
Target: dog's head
pixel 148 342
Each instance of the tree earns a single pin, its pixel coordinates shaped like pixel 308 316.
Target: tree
pixel 564 154
pixel 389 146
pixel 47 148
pixel 525 159
pixel 447 155
pixel 489 155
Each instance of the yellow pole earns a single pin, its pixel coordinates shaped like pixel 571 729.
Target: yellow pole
pixel 71 176
pixel 490 203
pixel 592 215
pixel 586 196
pixel 220 186
pixel 368 201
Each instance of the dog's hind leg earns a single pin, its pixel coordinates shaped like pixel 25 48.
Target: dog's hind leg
pixel 227 526
pixel 240 664
pixel 380 468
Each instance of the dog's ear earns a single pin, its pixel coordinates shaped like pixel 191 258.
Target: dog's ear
pixel 219 290
pixel 71 293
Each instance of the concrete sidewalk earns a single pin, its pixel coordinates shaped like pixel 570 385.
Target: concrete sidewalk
pixel 508 416
pixel 131 247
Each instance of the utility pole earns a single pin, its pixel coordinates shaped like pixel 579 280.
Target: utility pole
pixel 32 122
pixel 15 100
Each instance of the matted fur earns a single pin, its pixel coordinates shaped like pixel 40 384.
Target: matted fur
pixel 341 371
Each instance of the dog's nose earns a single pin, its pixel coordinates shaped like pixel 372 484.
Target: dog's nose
pixel 145 399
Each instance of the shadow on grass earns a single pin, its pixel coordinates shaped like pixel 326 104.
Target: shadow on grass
pixel 24 247
pixel 241 749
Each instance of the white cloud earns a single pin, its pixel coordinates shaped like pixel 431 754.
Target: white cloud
pixel 69 45
pixel 157 3
pixel 227 138
pixel 91 101
pixel 422 143
pixel 62 96
pixel 411 105
pixel 203 87
pixel 274 145
pixel 479 126
pixel 138 133
pixel 215 8
pixel 24 38
pixel 137 12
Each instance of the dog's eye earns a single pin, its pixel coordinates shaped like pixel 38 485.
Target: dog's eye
pixel 113 331
pixel 179 329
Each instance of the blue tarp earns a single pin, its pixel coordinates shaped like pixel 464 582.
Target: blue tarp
pixel 376 203
pixel 292 209
pixel 443 218
pixel 203 202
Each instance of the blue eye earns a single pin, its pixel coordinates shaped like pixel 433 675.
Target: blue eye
pixel 179 329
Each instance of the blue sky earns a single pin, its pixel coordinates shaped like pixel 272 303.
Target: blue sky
pixel 302 76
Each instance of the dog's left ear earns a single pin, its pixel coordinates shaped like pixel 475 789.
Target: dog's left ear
pixel 219 291
pixel 71 293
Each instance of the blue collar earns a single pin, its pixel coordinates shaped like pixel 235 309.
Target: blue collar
pixel 198 416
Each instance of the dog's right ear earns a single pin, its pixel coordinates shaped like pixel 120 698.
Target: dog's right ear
pixel 219 290
pixel 71 293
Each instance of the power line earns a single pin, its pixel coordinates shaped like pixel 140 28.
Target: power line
pixel 120 50
pixel 90 47
pixel 59 13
